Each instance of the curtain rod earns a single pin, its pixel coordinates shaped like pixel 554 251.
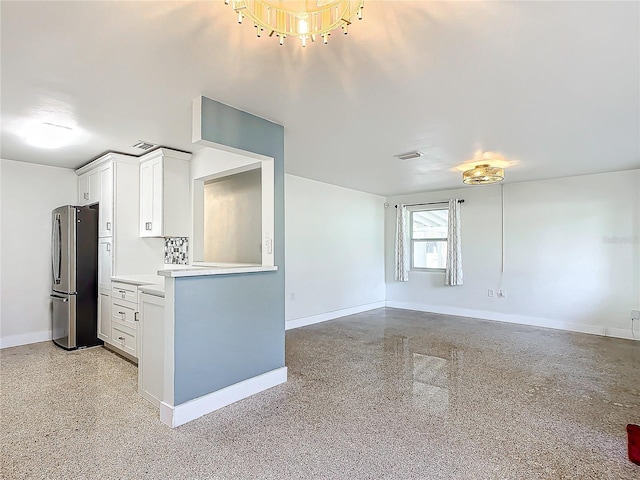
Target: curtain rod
pixel 430 203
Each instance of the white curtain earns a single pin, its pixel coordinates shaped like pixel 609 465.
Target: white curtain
pixel 453 273
pixel 402 245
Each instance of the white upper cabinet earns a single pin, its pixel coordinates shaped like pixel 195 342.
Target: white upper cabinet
pixel 119 206
pixel 89 187
pixel 151 198
pixel 105 228
pixel 83 189
pixel 94 186
pixel 164 194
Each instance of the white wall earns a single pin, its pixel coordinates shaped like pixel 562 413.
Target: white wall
pixel 334 244
pixel 28 193
pixel 572 254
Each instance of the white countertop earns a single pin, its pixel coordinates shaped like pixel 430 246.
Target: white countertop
pixel 197 271
pixel 153 289
pixel 139 279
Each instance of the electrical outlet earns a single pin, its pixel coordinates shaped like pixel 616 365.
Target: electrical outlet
pixel 502 293
pixel 635 314
pixel 490 293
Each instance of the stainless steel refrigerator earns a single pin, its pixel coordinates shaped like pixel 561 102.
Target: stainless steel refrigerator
pixel 74 286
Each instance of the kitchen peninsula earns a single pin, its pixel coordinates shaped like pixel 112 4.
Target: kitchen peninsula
pixel 202 345
pixel 224 324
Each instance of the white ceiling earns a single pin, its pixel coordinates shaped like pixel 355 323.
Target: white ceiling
pixel 553 86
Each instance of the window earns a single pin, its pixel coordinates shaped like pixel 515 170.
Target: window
pixel 429 239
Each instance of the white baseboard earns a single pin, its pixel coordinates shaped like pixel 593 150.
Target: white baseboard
pixel 174 416
pixel 323 317
pixel 25 339
pixel 520 319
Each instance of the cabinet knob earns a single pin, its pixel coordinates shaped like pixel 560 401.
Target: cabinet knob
pixel 147 226
pixel 121 339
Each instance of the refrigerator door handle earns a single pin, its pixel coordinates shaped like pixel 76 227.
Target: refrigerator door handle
pixel 53 250
pixel 56 246
pixel 59 249
pixel 62 299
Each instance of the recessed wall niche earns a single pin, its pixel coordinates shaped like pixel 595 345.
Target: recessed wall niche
pixel 233 218
pixel 233 208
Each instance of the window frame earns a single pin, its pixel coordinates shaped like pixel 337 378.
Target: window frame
pixel 412 240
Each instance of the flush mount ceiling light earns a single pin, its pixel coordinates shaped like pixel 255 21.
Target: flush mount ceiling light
pixel 483 174
pixel 49 135
pixel 409 155
pixel 305 19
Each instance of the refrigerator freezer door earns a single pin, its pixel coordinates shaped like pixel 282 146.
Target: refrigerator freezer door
pixel 64 320
pixel 63 248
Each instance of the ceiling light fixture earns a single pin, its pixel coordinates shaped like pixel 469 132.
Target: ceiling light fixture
pixel 305 19
pixel 49 135
pixel 409 155
pixel 483 174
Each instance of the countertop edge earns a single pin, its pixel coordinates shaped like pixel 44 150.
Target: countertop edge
pixel 154 290
pixel 131 280
pixel 204 271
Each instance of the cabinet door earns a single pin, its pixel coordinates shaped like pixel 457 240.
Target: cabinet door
pixel 146 198
pixel 151 350
pixel 94 185
pixel 157 217
pixel 104 316
pixel 105 228
pixel 151 198
pixel 105 262
pixel 83 189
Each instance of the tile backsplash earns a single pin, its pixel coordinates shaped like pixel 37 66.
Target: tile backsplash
pixel 176 250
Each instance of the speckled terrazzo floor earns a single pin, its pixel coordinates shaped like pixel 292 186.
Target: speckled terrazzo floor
pixel 383 394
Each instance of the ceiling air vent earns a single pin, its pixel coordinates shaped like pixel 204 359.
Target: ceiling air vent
pixel 409 155
pixel 143 145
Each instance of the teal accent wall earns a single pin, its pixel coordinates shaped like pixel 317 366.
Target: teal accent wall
pixel 229 328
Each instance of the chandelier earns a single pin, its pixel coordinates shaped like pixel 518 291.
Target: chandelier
pixel 305 19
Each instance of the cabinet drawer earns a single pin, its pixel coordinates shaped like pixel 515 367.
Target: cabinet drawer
pixel 124 338
pixel 125 314
pixel 124 291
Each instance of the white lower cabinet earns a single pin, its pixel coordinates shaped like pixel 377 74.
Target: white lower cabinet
pixel 151 354
pixel 124 338
pixel 124 318
pixel 124 313
pixel 104 315
pixel 123 292
pixel 133 323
